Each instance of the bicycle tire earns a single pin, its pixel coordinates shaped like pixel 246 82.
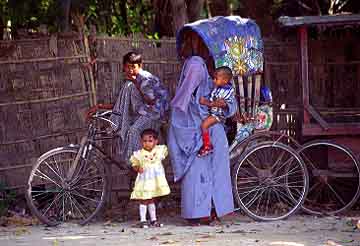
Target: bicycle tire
pixel 272 177
pixel 56 187
pixel 332 190
pixel 262 136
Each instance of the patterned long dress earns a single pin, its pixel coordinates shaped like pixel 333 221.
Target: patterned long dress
pixel 131 120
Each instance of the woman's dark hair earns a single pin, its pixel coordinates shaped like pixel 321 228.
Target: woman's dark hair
pixel 149 132
pixel 132 57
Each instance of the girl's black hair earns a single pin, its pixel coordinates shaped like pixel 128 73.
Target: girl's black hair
pixel 149 132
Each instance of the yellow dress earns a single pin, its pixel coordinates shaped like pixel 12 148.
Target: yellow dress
pixel 152 182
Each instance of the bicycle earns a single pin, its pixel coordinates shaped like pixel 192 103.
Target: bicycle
pixel 72 182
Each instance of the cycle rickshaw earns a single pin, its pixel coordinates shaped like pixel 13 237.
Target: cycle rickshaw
pixel 270 178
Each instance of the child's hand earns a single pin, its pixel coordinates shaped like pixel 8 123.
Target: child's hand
pixel 148 100
pixel 139 169
pixel 130 77
pixel 220 103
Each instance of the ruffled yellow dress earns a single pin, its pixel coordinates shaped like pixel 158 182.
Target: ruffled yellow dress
pixel 152 182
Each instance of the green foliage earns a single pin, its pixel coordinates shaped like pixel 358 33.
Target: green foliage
pixel 314 7
pixel 6 198
pixel 31 13
pixel 123 17
pixel 113 17
pixel 118 17
pixel 3 10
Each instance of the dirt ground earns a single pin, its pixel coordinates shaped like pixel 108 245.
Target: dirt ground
pixel 298 230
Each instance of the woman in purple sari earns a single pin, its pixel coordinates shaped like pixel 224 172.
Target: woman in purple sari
pixel 205 181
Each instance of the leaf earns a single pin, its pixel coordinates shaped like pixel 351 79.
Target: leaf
pixel 201 240
pixel 208 236
pixel 169 242
pixel 346 241
pixel 165 234
pixel 332 243
pixel 21 231
pixel 239 231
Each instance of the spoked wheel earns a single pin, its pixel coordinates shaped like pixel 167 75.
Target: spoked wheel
pixel 270 181
pixel 59 191
pixel 261 136
pixel 334 177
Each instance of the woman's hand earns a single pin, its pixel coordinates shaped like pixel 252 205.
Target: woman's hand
pixel 220 103
pixel 204 101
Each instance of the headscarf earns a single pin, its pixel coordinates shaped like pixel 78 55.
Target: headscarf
pixel 191 76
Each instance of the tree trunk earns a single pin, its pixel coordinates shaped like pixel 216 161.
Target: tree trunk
pixel 194 9
pixel 123 14
pixel 105 15
pixel 2 28
pixel 64 20
pixel 179 14
pixel 170 15
pixel 219 7
pixel 163 17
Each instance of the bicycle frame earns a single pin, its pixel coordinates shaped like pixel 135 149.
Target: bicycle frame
pixel 88 143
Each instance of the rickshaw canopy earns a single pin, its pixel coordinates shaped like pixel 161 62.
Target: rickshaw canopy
pixel 232 41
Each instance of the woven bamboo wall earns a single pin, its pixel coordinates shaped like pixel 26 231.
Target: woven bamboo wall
pixel 45 88
pixel 43 96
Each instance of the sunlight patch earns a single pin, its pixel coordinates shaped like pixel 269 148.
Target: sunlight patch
pixel 74 237
pixel 286 243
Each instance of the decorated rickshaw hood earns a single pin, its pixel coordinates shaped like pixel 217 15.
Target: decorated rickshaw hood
pixel 232 41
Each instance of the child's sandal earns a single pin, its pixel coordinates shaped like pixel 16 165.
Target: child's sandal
pixel 155 223
pixel 143 224
pixel 205 150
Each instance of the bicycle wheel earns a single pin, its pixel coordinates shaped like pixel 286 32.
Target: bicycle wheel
pixel 334 177
pixel 58 191
pixel 270 181
pixel 258 137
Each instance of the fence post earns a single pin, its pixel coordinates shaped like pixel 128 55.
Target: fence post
pixel 93 100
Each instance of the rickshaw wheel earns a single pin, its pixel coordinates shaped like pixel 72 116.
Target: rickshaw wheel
pixel 270 181
pixel 334 173
pixel 259 137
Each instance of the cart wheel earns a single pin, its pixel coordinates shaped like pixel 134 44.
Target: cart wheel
pixel 270 181
pixel 54 195
pixel 334 177
pixel 258 137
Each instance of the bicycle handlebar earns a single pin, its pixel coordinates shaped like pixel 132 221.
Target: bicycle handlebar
pixel 93 110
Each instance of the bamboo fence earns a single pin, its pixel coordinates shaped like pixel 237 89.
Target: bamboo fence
pixel 47 84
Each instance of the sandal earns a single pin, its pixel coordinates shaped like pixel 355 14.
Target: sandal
pixel 193 222
pixel 143 224
pixel 215 222
pixel 155 223
pixel 205 150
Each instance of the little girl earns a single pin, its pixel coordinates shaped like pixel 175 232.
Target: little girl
pixel 150 181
